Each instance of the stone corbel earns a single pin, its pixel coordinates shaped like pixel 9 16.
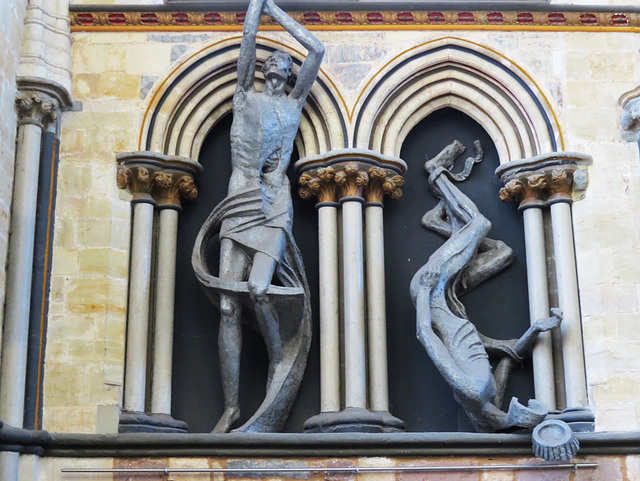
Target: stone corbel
pixel 630 117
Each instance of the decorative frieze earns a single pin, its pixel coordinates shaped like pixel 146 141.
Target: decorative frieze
pixel 496 19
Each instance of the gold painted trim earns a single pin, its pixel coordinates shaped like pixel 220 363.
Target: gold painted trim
pixel 372 20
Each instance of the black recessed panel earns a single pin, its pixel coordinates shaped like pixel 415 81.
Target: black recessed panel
pixel 499 307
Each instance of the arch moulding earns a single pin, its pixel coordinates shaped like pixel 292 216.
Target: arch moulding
pixel 187 104
pixel 457 73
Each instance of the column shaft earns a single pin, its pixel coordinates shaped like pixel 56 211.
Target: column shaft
pixel 329 309
pixel 138 319
pixel 353 286
pixel 165 297
pixel 571 327
pixel 19 275
pixel 376 309
pixel 542 354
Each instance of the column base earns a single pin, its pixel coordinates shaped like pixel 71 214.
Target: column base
pixel 581 420
pixel 354 420
pixel 135 422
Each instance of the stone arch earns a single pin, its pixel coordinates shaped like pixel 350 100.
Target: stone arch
pixel 452 72
pixel 187 104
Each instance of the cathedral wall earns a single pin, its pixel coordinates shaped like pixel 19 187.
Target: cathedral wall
pixel 619 468
pixel 115 76
pixel 12 14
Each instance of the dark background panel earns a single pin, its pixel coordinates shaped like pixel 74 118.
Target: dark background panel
pixel 418 394
pixel 498 307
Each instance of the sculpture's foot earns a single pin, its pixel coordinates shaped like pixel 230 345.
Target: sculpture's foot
pixel 229 417
pixel 527 416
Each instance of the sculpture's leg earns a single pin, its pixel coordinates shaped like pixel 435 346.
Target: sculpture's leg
pixel 260 278
pixel 232 266
pixel 515 352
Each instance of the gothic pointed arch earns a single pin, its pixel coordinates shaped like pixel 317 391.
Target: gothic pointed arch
pixel 187 104
pixel 457 73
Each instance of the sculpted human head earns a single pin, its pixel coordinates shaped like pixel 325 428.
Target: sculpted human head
pixel 277 69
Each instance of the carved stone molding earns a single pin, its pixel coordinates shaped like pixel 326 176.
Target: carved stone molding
pixel 158 179
pixel 85 18
pixel 319 183
pixel 36 108
pixel 630 118
pixel 352 179
pixel 170 186
pixel 351 173
pixel 383 182
pixel 545 179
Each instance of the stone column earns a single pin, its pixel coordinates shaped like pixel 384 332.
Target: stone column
pixel 173 183
pixel 562 176
pixel 364 395
pixel 381 182
pixel 323 187
pixel 352 181
pixel 135 173
pixel 154 180
pixel 530 189
pixel 567 283
pixel 36 109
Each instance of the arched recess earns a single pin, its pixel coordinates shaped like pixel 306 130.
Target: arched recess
pixel 199 92
pixel 452 72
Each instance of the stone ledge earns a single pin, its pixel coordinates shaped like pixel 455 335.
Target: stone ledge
pixel 297 445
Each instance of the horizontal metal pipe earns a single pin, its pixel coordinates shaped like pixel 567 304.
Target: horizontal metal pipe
pixel 347 470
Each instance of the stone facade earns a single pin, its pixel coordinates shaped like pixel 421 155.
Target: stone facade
pixel 12 15
pixel 610 468
pixel 582 75
pixel 116 79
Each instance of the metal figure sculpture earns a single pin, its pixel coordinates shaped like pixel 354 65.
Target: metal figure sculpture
pixel 254 224
pixel 466 259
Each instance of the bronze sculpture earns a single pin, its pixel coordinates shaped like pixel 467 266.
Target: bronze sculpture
pixel 466 259
pixel 254 224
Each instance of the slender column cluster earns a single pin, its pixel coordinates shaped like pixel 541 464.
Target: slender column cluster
pixel 352 183
pixel 552 181
pixel 36 111
pixel 156 182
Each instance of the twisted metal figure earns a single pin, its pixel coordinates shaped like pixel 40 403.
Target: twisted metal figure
pixel 455 346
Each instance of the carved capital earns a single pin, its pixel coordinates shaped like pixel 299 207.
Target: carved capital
pixel 630 117
pixel 547 178
pixel 170 186
pixel 138 180
pixel 159 179
pixel 383 182
pixel 561 181
pixel 36 108
pixel 531 189
pixel 320 183
pixel 352 180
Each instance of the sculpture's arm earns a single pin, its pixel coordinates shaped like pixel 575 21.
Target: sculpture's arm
pixel 311 65
pixel 247 58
